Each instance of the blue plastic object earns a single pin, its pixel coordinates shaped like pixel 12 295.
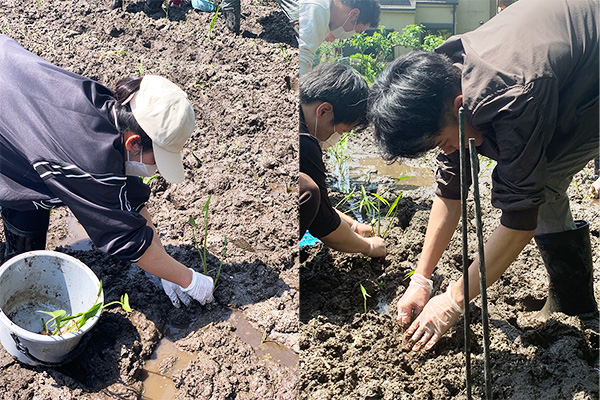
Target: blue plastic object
pixel 204 5
pixel 308 240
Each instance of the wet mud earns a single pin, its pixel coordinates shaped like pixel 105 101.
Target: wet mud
pixel 243 153
pixel 346 353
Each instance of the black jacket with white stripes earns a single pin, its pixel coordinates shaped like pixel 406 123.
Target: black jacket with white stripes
pixel 59 146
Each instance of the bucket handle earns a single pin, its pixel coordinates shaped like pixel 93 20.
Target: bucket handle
pixel 68 358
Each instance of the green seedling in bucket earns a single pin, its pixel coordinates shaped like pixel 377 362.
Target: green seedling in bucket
pixel 62 323
pixel 365 295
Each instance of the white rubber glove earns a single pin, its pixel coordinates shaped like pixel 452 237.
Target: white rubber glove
pixel 440 313
pixel 200 289
pixel 415 297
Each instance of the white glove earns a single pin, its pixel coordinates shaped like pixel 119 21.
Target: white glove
pixel 440 313
pixel 415 297
pixel 200 289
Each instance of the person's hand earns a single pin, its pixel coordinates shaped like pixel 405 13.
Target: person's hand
pixel 200 289
pixel 414 299
pixel 595 189
pixel 377 248
pixel 363 230
pixel 440 313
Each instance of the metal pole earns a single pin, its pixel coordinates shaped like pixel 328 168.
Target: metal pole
pixel 482 280
pixel 463 200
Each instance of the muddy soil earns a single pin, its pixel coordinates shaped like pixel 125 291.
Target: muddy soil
pixel 346 353
pixel 243 152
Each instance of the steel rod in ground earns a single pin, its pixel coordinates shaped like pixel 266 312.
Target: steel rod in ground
pixel 482 278
pixel 464 186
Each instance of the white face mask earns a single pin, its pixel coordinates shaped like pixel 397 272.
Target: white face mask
pixel 138 168
pixel 340 34
pixel 331 141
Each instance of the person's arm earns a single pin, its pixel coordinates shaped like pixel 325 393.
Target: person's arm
pixel 501 249
pixel 443 219
pixel 363 230
pixel 343 239
pixel 157 262
pixel 444 216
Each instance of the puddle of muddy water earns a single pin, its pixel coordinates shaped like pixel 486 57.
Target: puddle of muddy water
pixel 262 346
pixel 77 238
pixel 383 307
pixel 374 166
pixel 159 385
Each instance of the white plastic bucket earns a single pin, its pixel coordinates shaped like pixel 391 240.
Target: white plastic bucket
pixel 48 281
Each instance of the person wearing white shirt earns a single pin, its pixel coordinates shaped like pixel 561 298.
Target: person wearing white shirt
pixel 329 20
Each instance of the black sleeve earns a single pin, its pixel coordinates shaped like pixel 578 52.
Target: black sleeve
pixel 311 163
pixel 103 206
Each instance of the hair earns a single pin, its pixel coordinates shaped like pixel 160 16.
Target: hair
pixel 127 122
pixel 412 101
pixel 342 87
pixel 369 11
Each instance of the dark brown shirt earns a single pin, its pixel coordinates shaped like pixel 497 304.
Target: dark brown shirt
pixel 530 83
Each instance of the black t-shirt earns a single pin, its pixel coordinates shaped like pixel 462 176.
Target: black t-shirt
pixel 311 163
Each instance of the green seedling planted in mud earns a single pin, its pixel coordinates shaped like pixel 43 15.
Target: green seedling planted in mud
pixel 112 54
pixel 284 54
pixel 202 247
pixel 62 323
pixel 392 211
pixel 373 210
pixel 365 295
pixel 212 23
pixel 408 275
pixel 140 69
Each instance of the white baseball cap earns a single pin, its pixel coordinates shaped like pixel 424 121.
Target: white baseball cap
pixel 164 112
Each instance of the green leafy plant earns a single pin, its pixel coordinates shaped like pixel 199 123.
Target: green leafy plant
pixel 113 54
pixel 147 179
pixel 338 153
pixel 140 69
pixel 392 211
pixel 202 247
pixel 365 295
pixel 373 210
pixel 62 323
pixel 212 23
pixel 284 54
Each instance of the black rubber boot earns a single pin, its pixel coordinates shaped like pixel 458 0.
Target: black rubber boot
pixel 18 241
pixel 568 260
pixel 232 19
pixel 152 6
pixel 116 4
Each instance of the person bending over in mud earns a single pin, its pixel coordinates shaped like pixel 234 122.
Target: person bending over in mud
pixel 332 20
pixel 333 99
pixel 67 140
pixel 528 83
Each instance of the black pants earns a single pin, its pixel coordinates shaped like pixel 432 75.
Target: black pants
pixel 310 200
pixel 26 222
